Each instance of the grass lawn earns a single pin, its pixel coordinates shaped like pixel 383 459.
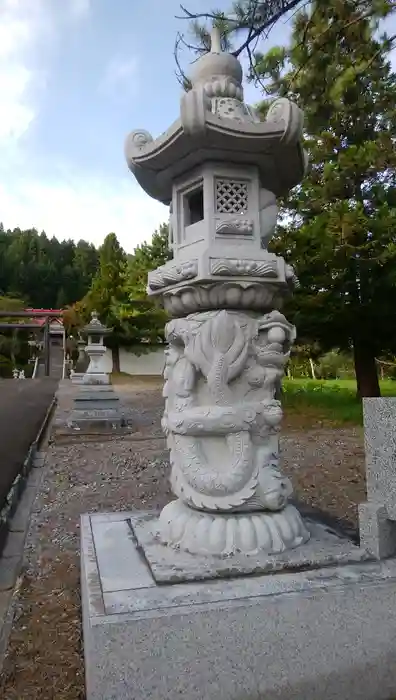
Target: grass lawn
pixel 306 402
pixel 331 400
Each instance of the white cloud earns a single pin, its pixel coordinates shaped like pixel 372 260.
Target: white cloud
pixel 69 203
pixel 120 73
pixel 79 8
pixel 83 207
pixel 21 25
pixel 27 30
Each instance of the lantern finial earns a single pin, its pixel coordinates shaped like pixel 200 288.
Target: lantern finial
pixel 215 40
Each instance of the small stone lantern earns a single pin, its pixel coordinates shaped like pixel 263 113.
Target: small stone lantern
pixel 96 351
pixel 220 169
pixel 82 362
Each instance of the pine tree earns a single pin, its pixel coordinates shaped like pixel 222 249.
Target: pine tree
pixel 339 226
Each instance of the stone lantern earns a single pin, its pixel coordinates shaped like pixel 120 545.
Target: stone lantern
pixel 220 169
pixel 82 362
pixel 96 351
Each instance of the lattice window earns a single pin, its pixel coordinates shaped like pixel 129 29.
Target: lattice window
pixel 231 197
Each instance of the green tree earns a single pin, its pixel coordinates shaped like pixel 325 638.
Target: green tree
pixel 107 292
pixel 45 272
pixel 10 343
pixel 339 225
pixel 142 317
pixel 248 23
pixel 85 265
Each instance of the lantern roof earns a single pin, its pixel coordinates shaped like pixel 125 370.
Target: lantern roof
pixel 95 327
pixel 215 125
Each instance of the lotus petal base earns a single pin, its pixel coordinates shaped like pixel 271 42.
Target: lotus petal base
pixel 200 532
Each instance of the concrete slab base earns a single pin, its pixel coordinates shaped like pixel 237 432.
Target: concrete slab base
pixel 324 632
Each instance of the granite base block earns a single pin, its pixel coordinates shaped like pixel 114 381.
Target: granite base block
pixel 96 409
pixel 379 416
pixel 377 532
pixel 299 635
pixel 96 379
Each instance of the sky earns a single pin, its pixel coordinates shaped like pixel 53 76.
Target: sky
pixel 76 76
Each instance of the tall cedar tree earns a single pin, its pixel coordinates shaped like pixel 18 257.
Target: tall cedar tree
pixel 142 316
pixel 339 226
pixel 107 291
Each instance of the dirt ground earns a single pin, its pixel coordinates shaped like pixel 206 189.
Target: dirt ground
pixel 44 659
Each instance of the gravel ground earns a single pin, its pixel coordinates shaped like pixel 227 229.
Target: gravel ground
pixel 44 658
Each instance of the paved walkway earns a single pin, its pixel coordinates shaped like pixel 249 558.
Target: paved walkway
pixel 23 407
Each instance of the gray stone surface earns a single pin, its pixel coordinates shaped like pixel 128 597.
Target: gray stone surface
pixel 117 566
pixel 378 515
pixel 95 378
pixel 77 377
pixel 380 447
pixel 327 633
pixel 6 618
pixel 170 565
pixel 4 604
pixel 20 519
pixel 38 462
pixel 95 409
pixel 14 544
pixel 98 394
pixel 9 569
pixel 36 475
pixel 377 532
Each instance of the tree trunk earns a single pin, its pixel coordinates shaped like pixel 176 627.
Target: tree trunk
pixel 365 369
pixel 115 354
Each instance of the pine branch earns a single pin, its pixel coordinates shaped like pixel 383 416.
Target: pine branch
pixel 258 21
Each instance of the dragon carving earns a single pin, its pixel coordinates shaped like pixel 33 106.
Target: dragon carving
pixel 222 372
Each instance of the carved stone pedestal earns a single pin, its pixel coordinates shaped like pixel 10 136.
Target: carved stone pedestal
pixel 221 419
pixel 96 409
